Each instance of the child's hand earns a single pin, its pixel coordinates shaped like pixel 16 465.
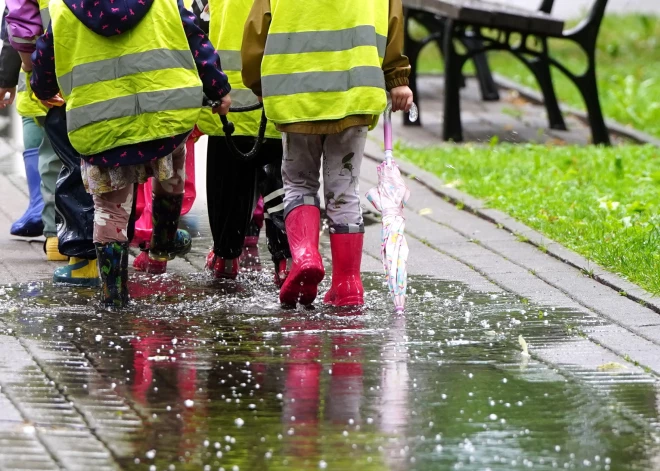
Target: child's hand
pixel 223 107
pixel 7 96
pixel 57 100
pixel 402 98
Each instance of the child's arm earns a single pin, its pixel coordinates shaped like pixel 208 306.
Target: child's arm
pixel 207 60
pixel 10 66
pixel 43 81
pixel 254 44
pixel 396 66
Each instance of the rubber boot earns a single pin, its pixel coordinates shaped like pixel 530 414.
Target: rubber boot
pixel 30 224
pixel 52 251
pixel 301 285
pixel 143 263
pixel 257 222
pixel 79 272
pixel 222 268
pixel 113 267
pixel 167 241
pixel 282 269
pixel 346 288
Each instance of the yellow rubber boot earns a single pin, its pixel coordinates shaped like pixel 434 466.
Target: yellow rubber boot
pixel 79 272
pixel 52 251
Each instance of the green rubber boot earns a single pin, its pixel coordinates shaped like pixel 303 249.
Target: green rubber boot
pixel 113 267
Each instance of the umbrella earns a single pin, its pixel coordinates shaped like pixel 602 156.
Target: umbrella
pixel 389 197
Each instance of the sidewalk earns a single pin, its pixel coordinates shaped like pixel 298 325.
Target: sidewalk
pixel 67 400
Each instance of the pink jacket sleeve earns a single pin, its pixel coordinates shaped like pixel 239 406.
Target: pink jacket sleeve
pixel 23 24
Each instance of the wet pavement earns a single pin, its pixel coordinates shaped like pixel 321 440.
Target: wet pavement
pixel 200 374
pixel 507 357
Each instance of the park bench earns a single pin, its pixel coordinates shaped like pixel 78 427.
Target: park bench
pixel 481 26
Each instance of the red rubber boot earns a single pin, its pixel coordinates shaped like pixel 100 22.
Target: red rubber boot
pixel 346 289
pixel 302 229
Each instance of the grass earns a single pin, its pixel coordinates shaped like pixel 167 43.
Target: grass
pixel 601 202
pixel 628 68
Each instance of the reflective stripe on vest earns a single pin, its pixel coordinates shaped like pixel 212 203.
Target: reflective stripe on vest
pixel 324 61
pixel 128 88
pixel 227 19
pixel 27 105
pixel 129 64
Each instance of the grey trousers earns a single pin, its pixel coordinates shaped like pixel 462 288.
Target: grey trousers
pixel 341 155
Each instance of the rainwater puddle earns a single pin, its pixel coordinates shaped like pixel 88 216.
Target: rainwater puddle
pixel 217 376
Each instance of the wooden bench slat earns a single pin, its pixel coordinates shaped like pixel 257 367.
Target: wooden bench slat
pixel 491 14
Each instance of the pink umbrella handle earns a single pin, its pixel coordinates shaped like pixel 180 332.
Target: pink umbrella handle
pixel 387 127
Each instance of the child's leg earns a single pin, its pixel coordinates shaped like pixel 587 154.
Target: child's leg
pixel 300 172
pixel 271 188
pixel 341 177
pixel 111 215
pixel 230 195
pixel 167 241
pixel 30 224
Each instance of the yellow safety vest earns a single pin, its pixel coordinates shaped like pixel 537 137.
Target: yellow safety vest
pixel 228 18
pixel 126 89
pixel 323 60
pixel 28 105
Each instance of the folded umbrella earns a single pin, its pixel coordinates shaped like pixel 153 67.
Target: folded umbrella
pixel 390 197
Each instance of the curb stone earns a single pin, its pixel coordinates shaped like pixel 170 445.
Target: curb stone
pixel 477 207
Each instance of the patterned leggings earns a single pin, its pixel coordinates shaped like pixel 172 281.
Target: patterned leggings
pixel 112 210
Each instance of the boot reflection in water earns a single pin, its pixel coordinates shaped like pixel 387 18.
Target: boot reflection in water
pixel 303 393
pixel 161 377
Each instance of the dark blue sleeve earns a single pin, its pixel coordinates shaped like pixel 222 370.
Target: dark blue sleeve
pixel 43 81
pixel 206 57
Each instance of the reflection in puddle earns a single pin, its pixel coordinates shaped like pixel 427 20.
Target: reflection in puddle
pixel 216 375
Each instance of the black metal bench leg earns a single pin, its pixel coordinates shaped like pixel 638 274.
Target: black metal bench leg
pixel 540 67
pixel 412 49
pixel 588 86
pixel 452 128
pixel 489 91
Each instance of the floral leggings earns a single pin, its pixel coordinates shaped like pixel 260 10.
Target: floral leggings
pixel 341 156
pixel 112 210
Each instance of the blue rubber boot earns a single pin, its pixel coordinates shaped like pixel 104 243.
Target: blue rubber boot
pixel 30 224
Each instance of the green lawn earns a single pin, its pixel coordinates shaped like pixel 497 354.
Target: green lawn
pixel 600 202
pixel 628 61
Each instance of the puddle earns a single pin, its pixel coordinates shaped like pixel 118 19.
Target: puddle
pixel 217 376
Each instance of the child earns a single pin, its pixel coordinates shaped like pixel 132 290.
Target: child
pixel 232 185
pixel 323 71
pixel 131 102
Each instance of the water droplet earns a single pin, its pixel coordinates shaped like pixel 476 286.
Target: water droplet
pixel 323 464
pixel 189 403
pixel 239 422
pixel 98 338
pixel 151 454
